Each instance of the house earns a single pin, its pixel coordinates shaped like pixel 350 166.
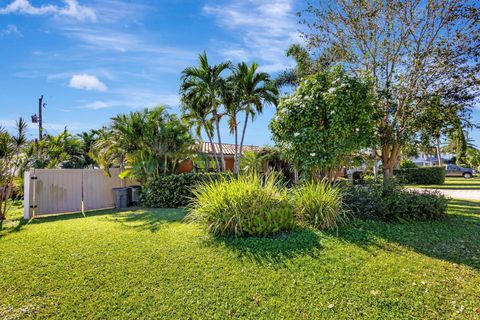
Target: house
pixel 204 161
pixel 427 161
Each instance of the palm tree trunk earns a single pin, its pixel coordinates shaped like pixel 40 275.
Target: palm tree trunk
pixel 243 137
pixel 215 155
pixel 165 165
pixel 217 124
pixel 236 165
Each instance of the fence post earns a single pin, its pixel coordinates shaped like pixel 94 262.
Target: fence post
pixel 28 191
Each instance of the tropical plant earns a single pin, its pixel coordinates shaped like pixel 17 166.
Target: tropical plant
pixel 10 161
pixel 203 85
pixel 324 122
pixel 256 90
pixel 144 144
pixel 319 204
pixel 306 66
pixel 409 49
pixel 61 151
pixel 246 205
pixel 88 139
pixel 252 161
pixel 196 112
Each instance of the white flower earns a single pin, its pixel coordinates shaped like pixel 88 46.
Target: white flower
pixel 296 134
pixel 334 82
pixel 284 110
pixel 343 85
pixel 313 154
pixel 332 90
pixel 277 118
pixel 331 305
pixel 357 129
pixel 332 112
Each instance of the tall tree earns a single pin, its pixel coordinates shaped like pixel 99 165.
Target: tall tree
pixel 408 48
pixel 206 82
pixel 306 65
pixel 196 111
pixel 256 90
pixel 231 99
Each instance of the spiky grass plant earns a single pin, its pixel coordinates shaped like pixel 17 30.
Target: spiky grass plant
pixel 319 204
pixel 245 205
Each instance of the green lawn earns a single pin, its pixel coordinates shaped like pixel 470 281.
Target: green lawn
pixel 150 264
pixel 454 183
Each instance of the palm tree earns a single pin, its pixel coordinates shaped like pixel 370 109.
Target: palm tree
pixel 206 82
pixel 256 89
pixel 88 139
pixel 231 98
pixel 196 111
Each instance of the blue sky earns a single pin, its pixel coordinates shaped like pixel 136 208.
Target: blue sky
pixel 93 59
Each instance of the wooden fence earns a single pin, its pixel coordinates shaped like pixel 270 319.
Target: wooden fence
pixel 54 191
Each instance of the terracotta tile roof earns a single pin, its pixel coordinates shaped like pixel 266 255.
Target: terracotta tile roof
pixel 228 148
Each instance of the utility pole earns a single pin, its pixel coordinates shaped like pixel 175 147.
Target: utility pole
pixel 39 119
pixel 40 127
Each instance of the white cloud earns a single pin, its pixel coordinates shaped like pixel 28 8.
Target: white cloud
pixel 11 29
pixel 264 29
pixel 134 98
pixel 71 9
pixel 87 82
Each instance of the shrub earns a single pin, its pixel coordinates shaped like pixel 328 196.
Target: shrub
pixel 319 204
pixel 174 190
pixel 246 205
pixel 394 203
pixel 407 164
pixel 424 175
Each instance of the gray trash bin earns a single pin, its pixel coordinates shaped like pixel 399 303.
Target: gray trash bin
pixel 120 197
pixel 135 195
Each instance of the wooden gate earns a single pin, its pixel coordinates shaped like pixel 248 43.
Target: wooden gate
pixel 53 191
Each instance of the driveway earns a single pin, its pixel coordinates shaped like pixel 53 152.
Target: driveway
pixel 458 194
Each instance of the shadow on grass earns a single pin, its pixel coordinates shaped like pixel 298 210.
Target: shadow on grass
pixel 17 225
pixel 274 250
pixel 147 219
pixel 454 239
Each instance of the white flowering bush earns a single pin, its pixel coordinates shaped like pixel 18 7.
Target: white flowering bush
pixel 329 117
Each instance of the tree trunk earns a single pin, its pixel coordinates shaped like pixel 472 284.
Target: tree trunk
pixel 439 154
pixel 215 155
pixel 165 165
pixel 236 164
pixel 217 124
pixel 243 137
pixel 389 160
pixel 212 145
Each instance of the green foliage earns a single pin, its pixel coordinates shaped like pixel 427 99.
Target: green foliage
pixel 148 143
pixel 407 164
pixel 328 118
pixel 61 151
pixel 11 158
pixel 421 175
pixel 319 204
pixel 173 191
pixel 472 158
pixel 246 205
pixel 393 203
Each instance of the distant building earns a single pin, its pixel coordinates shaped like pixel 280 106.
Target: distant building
pixel 205 157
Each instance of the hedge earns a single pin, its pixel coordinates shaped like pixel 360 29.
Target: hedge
pixel 424 175
pixel 174 190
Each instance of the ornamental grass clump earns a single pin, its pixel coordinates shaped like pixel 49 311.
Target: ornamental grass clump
pixel 319 204
pixel 246 205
